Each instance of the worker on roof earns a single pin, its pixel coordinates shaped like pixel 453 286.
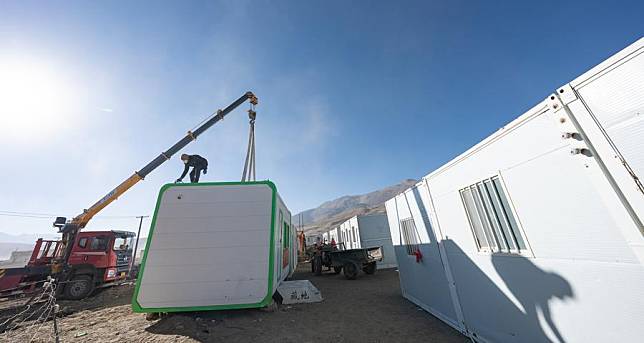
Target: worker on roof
pixel 198 165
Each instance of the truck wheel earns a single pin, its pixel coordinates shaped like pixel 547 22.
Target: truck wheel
pixel 79 287
pixel 317 265
pixel 337 270
pixel 369 268
pixel 350 270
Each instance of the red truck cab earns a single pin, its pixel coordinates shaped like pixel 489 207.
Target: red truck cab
pixel 98 258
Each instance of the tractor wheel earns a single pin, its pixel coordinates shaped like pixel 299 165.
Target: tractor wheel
pixel 79 287
pixel 317 265
pixel 369 268
pixel 350 270
pixel 337 270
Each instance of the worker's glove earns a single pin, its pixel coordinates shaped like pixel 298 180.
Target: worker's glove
pixel 178 181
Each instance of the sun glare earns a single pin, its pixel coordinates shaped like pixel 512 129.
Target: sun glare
pixel 34 99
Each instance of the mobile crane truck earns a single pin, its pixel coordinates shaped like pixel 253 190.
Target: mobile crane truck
pixel 82 261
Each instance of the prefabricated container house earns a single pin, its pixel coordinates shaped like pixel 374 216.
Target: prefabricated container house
pixel 535 234
pixel 349 234
pixel 366 231
pixel 325 237
pixel 312 238
pixel 334 235
pixel 215 246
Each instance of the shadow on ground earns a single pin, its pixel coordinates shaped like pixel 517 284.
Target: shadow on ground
pixel 369 309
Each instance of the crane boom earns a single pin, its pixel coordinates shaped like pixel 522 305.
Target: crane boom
pixel 71 228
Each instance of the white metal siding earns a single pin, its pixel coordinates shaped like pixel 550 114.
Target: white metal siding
pixel 566 222
pixel 282 271
pixel 581 278
pixel 349 234
pixel 616 99
pixel 373 231
pixel 210 246
pixel 368 231
pixel 425 282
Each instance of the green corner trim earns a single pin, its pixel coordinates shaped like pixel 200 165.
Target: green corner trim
pixel 136 307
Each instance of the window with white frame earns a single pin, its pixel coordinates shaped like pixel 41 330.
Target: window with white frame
pixel 409 235
pixel 493 224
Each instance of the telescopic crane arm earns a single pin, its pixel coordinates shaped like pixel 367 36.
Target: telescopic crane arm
pixel 71 228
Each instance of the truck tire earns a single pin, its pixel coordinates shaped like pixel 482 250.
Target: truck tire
pixel 350 270
pixel 369 268
pixel 317 265
pixel 337 270
pixel 79 287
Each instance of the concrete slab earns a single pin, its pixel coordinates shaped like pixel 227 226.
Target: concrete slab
pixel 299 291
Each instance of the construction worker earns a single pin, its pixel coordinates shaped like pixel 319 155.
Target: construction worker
pixel 197 163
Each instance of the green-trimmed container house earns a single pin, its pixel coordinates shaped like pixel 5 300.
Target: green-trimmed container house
pixel 215 246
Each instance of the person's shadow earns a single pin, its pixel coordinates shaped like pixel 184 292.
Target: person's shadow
pixel 490 313
pixel 533 288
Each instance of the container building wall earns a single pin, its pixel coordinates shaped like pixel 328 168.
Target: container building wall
pixel 423 281
pixel 285 243
pixel 349 234
pixel 365 232
pixel 325 237
pixel 311 239
pixel 539 226
pixel 373 231
pixel 334 234
pixel 215 246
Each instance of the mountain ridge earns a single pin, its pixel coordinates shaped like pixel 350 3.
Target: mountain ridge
pixel 333 212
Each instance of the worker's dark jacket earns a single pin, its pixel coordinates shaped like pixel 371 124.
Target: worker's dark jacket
pixel 197 162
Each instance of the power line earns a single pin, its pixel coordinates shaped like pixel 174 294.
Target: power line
pixel 23 216
pixel 27 213
pixel 50 215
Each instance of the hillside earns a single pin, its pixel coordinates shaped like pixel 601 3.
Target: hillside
pixel 22 242
pixel 338 210
pixel 6 248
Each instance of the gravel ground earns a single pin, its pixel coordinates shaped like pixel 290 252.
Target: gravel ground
pixel 369 309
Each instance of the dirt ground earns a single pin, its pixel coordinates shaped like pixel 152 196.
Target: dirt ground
pixel 369 309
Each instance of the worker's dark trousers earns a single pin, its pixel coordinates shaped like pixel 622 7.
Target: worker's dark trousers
pixel 195 174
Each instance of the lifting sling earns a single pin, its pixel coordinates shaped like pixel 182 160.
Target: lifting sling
pixel 249 165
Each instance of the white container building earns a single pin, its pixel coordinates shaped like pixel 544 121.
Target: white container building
pixel 325 237
pixel 349 234
pixel 334 234
pixel 366 231
pixel 311 239
pixel 214 246
pixel 535 234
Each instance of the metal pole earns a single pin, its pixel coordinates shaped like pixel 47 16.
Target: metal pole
pixel 136 246
pixel 57 338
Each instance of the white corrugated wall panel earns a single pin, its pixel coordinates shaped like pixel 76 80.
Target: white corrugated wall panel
pixel 616 100
pixel 194 257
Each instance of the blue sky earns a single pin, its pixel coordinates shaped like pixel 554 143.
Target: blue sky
pixel 354 96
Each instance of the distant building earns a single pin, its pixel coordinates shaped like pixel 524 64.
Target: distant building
pixel 366 231
pixel 311 238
